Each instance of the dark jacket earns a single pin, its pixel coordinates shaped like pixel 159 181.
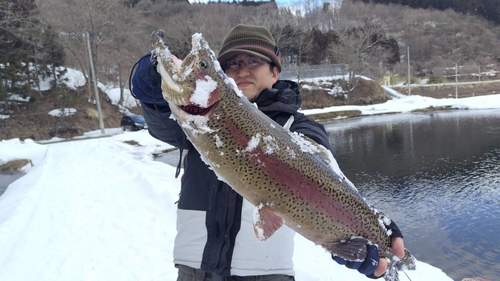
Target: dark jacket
pixel 200 188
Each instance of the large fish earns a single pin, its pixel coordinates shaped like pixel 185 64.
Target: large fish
pixel 289 178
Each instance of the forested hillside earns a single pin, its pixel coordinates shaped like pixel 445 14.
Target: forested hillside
pixel 488 9
pixel 39 36
pixel 372 39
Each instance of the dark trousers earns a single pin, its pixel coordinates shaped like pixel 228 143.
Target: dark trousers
pixel 187 273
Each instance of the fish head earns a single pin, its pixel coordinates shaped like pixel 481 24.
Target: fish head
pixel 191 85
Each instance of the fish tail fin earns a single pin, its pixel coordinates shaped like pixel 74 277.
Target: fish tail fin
pixel 395 264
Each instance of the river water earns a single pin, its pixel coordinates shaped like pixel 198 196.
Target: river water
pixel 8 177
pixel 438 176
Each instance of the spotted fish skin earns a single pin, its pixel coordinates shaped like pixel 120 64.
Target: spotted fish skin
pixel 295 178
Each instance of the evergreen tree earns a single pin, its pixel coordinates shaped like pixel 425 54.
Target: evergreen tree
pixel 31 49
pixel 12 64
pixel 53 57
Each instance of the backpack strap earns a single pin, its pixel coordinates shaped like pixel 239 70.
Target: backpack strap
pixel 289 122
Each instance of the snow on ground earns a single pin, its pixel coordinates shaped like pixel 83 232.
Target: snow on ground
pixel 410 103
pixel 114 95
pixel 72 78
pixel 72 217
pixel 62 112
pixel 101 209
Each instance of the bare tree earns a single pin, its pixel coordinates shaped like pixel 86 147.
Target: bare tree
pixel 108 22
pixel 359 47
pixel 114 27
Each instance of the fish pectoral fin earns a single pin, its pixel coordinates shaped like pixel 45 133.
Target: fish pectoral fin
pixel 266 223
pixel 354 249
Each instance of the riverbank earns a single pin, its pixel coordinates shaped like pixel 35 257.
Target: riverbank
pixel 413 103
pixel 452 90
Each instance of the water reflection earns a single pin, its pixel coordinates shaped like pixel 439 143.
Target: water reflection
pixel 438 176
pixel 8 177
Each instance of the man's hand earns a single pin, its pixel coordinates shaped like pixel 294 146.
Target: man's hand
pixel 146 81
pixel 368 266
pixel 373 266
pixel 397 245
pixel 153 73
pixel 398 248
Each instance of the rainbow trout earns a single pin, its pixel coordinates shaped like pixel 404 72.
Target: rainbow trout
pixel 290 179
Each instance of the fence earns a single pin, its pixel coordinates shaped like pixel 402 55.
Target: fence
pixel 313 71
pixel 467 73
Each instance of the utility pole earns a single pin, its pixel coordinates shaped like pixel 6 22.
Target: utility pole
pixel 409 80
pixel 101 123
pixel 456 80
pixel 457 60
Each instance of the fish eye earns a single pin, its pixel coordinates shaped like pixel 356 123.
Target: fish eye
pixel 205 64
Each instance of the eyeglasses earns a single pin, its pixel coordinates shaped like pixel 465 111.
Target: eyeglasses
pixel 249 63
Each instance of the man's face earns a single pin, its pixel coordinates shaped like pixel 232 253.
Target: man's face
pixel 252 78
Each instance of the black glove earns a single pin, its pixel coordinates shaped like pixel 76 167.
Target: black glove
pixel 395 231
pixel 370 263
pixel 153 73
pixel 146 81
pixel 367 266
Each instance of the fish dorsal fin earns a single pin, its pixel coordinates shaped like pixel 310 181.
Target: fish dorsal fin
pixel 266 222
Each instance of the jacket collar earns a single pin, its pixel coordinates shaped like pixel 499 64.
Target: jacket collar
pixel 284 96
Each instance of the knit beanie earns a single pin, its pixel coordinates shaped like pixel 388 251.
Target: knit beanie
pixel 248 39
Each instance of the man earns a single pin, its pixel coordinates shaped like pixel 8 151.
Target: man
pixel 215 238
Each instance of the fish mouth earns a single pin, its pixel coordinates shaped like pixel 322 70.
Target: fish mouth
pixel 196 110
